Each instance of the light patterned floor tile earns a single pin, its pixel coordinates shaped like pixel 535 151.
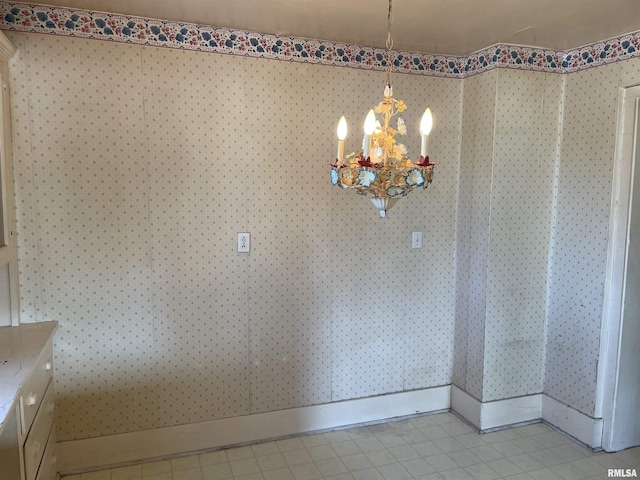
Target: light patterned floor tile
pixel 381 457
pixel 404 452
pixel 394 471
pixel 185 463
pixel 413 436
pixel 439 447
pixel 391 440
pixel 433 476
pixel 297 457
pixel 346 448
pixel 486 453
pixel 464 458
pixel 470 440
pixel 482 471
pixel 369 444
pixel 127 473
pixel 569 472
pixel 370 474
pixel 456 474
pixel 213 458
pixel 156 468
pixel 100 475
pixel 548 458
pixel 280 474
pixel 449 445
pixel 519 476
pixel 306 471
pixel 239 453
pixel 357 462
pixel 331 466
pixel 435 433
pixel 160 476
pixel 188 474
pixel 217 471
pixel 244 466
pixel 267 448
pixel 341 476
pixel 337 437
pixel 254 476
pixel 417 467
pixel 442 462
pixel 544 474
pixel 427 449
pixel 313 440
pixel 322 452
pixel 289 445
pixel 274 461
pixel 504 467
pixel 526 462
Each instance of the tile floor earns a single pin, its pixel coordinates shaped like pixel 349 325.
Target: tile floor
pixel 435 447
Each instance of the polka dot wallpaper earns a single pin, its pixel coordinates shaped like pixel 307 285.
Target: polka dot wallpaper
pixel 526 138
pixel 135 168
pixel 579 252
pixel 472 241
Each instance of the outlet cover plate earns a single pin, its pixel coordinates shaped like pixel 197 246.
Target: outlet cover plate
pixel 416 240
pixel 244 242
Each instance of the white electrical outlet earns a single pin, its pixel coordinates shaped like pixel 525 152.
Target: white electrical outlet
pixel 416 240
pixel 244 243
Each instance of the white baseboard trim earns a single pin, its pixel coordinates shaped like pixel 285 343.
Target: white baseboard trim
pixel 83 455
pixel 584 428
pixel 498 413
pixel 466 406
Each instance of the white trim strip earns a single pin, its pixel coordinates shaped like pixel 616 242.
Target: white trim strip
pixel 584 428
pixel 91 453
pixel 496 414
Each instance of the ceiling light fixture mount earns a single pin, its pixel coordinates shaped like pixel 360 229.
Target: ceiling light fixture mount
pixel 383 169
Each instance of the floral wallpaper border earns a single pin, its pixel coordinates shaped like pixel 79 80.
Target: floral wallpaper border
pixel 160 33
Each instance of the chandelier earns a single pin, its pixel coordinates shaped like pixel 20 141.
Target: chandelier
pixel 383 169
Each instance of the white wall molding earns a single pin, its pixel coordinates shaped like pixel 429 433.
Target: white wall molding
pixel 511 411
pixel 7 49
pixel 498 413
pixel 582 427
pixel 87 454
pixel 466 406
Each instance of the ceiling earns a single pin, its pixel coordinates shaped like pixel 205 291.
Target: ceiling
pixel 453 27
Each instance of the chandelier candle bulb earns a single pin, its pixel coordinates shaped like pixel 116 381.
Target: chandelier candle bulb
pixel 369 127
pixel 425 129
pixel 342 134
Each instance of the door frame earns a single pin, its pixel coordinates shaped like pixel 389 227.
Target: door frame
pixel 610 334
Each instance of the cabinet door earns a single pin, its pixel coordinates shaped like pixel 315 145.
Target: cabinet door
pixel 10 449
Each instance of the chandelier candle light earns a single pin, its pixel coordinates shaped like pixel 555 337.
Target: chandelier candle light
pixel 383 169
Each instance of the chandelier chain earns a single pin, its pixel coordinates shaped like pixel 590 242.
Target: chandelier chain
pixel 389 42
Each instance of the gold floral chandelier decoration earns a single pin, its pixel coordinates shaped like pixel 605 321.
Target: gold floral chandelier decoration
pixel 383 169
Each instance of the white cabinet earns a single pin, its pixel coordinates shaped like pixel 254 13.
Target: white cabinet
pixel 27 403
pixel 11 449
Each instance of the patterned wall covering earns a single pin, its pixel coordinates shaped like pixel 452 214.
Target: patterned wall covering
pixel 509 142
pixel 525 154
pixel 135 169
pixel 472 230
pixel 579 250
